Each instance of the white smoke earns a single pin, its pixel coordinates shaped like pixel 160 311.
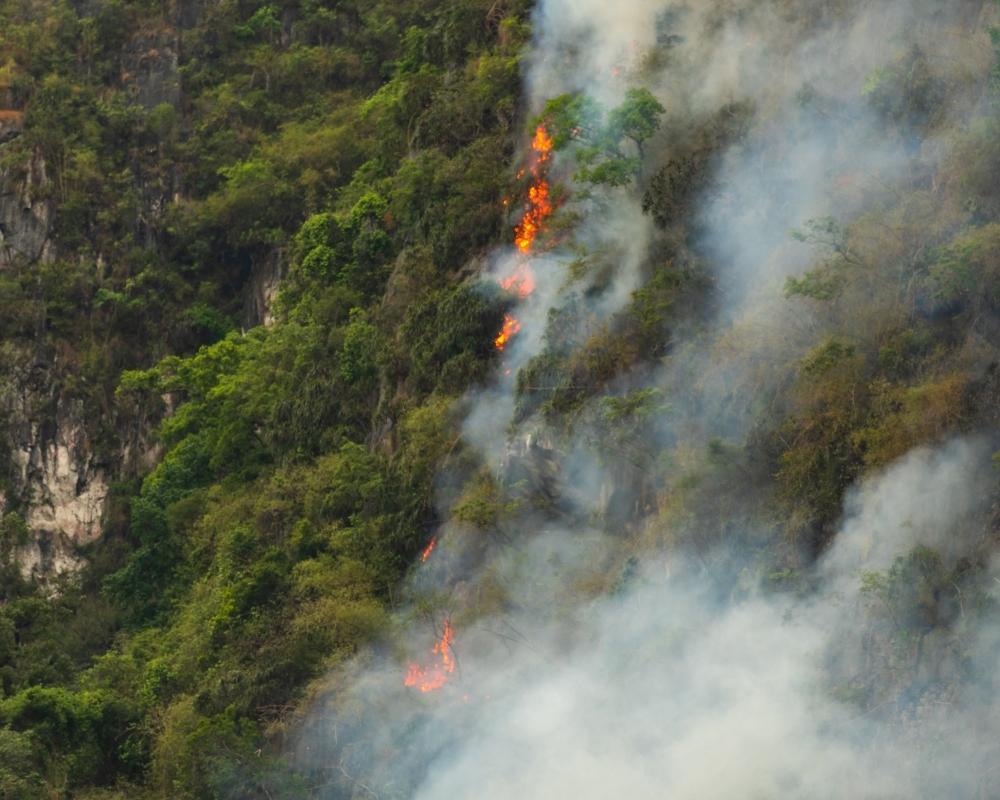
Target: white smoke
pixel 689 684
pixel 674 691
pixel 930 498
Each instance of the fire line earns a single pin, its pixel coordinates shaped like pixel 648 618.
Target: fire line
pixel 537 210
pixel 433 675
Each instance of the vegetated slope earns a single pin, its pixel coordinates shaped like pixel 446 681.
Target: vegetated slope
pixel 192 154
pixel 368 155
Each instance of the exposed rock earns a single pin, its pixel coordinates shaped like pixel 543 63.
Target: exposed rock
pixel 55 475
pixel 69 489
pixel 262 290
pixel 61 484
pixel 187 13
pixel 25 218
pixel 149 69
pixel 11 125
pixel 531 468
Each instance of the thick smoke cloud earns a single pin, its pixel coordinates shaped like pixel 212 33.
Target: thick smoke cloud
pixel 931 498
pixel 678 690
pixel 684 680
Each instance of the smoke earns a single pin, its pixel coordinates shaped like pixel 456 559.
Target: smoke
pixel 589 668
pixel 585 46
pixel 930 498
pixel 673 691
pixel 689 686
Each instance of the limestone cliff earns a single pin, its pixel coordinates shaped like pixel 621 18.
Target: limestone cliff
pixel 59 454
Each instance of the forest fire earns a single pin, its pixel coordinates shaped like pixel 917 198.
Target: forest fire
pixel 510 329
pixel 538 209
pixel 434 675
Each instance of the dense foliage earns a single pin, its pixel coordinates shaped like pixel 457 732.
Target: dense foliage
pixel 367 148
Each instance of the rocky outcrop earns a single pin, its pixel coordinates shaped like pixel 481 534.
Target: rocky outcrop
pixel 53 472
pixel 11 125
pixel 530 469
pixel 150 74
pixel 56 480
pixel 67 492
pixel 52 477
pixel 262 290
pixel 25 214
pixel 59 460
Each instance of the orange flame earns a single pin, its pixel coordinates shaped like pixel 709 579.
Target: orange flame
pixel 429 549
pixel 542 143
pixel 539 205
pixel 510 329
pixel 434 675
pixel 536 211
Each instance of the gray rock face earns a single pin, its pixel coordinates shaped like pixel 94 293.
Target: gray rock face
pixel 54 476
pixel 262 290
pixel 150 74
pixel 57 465
pixel 25 216
pixel 55 485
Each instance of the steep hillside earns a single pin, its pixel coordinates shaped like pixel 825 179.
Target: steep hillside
pixel 494 399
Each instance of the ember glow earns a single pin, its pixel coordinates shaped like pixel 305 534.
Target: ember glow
pixel 429 549
pixel 510 328
pixel 522 281
pixel 434 675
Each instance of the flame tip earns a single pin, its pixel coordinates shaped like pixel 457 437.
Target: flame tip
pixel 434 676
pixel 426 553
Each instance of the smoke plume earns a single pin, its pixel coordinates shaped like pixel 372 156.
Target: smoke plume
pixel 698 672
